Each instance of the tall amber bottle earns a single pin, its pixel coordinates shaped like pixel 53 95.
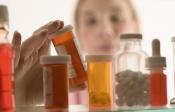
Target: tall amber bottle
pixel 99 69
pixel 65 43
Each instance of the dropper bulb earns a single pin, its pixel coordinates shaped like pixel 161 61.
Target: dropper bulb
pixel 156 60
pixel 156 48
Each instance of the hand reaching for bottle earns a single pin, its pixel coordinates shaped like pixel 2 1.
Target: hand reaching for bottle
pixel 27 70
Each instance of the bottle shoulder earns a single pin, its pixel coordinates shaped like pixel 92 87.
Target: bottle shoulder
pixel 5 46
pixel 132 53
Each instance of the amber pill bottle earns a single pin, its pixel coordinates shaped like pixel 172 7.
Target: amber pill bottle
pixel 55 71
pixel 100 70
pixel 64 43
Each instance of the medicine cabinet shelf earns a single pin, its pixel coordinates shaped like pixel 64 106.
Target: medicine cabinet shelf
pixel 84 108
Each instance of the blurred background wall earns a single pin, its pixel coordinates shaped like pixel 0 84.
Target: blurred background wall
pixel 157 21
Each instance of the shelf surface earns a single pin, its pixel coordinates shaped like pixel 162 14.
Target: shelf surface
pixel 84 108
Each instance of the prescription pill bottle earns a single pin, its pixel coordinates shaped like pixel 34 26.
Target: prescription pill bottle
pixel 65 43
pixel 100 70
pixel 55 71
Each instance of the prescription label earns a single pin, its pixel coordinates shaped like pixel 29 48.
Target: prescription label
pixel 48 86
pixel 61 50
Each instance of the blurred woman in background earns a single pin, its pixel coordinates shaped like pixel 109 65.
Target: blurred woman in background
pixel 98 25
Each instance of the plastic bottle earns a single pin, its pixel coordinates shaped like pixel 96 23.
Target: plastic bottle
pixel 65 43
pixel 55 69
pixel 100 71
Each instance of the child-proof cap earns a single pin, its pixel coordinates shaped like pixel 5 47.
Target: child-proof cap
pixel 131 36
pixel 65 29
pixel 99 58
pixel 55 59
pixel 4 13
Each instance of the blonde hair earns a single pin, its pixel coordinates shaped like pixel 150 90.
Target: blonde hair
pixel 80 2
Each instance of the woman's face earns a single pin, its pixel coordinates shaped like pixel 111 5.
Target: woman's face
pixel 100 24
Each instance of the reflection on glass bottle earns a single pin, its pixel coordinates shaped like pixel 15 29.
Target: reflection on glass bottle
pixel 172 101
pixel 132 57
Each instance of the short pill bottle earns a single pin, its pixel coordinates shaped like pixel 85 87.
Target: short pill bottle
pixel 55 71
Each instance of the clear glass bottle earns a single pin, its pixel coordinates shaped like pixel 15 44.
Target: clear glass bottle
pixel 173 41
pixel 132 56
pixel 6 64
pixel 131 80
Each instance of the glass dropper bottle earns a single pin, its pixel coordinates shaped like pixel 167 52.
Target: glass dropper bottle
pixel 6 58
pixel 158 80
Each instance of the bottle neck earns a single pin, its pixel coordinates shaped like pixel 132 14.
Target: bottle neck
pixel 157 70
pixel 131 45
pixel 3 32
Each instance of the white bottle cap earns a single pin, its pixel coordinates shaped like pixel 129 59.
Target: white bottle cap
pixel 65 29
pixel 99 58
pixel 55 59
